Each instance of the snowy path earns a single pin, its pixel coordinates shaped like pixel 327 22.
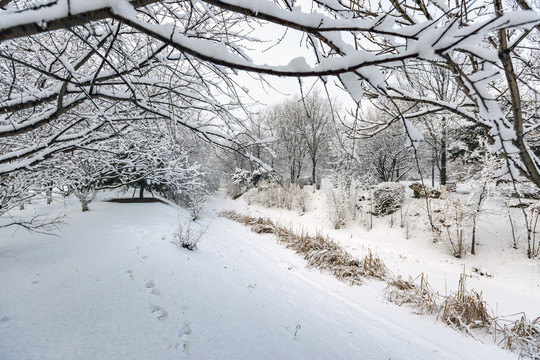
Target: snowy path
pixel 112 286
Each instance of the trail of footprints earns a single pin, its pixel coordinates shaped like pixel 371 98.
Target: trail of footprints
pixel 182 343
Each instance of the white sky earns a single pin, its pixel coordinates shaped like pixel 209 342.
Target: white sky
pixel 291 45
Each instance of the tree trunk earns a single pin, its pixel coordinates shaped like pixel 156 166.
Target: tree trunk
pixel 443 161
pixel 48 193
pixel 433 169
pixel 473 235
pixel 313 174
pixel 142 185
pixel 513 89
pixel 84 204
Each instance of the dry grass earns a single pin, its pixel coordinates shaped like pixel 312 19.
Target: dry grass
pixel 258 225
pixel 420 297
pixel 521 335
pixel 320 251
pixel 374 267
pixel 463 309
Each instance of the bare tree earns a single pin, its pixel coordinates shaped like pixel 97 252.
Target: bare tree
pixel 75 72
pixel 388 156
pixel 288 148
pixel 314 125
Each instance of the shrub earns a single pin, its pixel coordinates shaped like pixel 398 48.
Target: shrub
pixel 339 206
pixel 275 195
pixel 455 217
pixel 344 202
pixel 186 236
pixel 388 197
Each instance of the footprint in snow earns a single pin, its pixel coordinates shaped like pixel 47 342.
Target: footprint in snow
pixel 150 288
pixel 182 345
pixel 158 312
pixel 143 259
pixel 129 274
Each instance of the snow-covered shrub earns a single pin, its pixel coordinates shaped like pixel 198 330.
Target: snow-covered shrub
pixel 187 236
pixel 194 198
pixel 275 195
pixel 344 201
pixel 455 219
pixel 388 197
pixel 243 180
pixel 241 177
pixel 340 206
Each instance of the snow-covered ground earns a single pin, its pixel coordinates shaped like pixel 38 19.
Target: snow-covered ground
pixel 112 285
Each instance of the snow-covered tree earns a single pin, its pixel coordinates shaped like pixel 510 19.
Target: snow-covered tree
pixel 75 72
pixel 302 130
pixel 386 154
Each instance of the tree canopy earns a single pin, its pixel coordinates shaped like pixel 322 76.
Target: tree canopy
pixel 77 72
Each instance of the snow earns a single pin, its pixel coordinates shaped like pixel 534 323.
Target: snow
pixel 112 285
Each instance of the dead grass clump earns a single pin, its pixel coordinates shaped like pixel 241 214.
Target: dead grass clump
pixel 320 251
pixel 465 309
pixel 373 266
pixel 420 297
pixel 233 215
pixel 258 225
pixel 261 225
pixel 522 334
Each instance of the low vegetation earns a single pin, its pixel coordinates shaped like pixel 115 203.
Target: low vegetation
pixel 320 251
pixel 466 311
pixel 463 309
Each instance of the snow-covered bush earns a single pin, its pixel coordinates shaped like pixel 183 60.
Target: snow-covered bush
pixel 455 219
pixel 275 195
pixel 338 208
pixel 186 235
pixel 388 197
pixel 241 177
pixel 243 180
pixel 341 205
pixel 250 179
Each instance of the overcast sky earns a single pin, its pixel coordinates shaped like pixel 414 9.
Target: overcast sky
pixel 291 45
